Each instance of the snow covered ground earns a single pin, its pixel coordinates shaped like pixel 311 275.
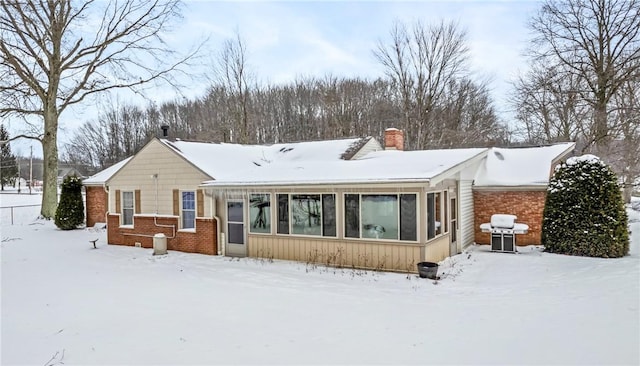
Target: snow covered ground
pixel 64 302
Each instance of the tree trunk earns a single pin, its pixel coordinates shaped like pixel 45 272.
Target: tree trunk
pixel 50 162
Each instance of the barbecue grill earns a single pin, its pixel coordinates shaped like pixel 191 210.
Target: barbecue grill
pixel 503 229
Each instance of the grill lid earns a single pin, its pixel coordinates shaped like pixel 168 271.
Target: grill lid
pixel 503 220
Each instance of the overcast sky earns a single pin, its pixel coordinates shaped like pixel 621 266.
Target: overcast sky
pixel 292 38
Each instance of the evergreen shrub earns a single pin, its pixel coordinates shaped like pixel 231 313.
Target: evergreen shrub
pixel 70 211
pixel 584 212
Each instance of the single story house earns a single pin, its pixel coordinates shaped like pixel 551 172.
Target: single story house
pixel 347 202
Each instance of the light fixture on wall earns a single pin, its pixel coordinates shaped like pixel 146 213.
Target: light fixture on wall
pixel 155 178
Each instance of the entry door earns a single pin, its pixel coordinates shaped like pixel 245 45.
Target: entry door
pixel 236 235
pixel 453 217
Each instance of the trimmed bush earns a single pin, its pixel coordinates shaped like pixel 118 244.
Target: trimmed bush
pixel 70 211
pixel 584 211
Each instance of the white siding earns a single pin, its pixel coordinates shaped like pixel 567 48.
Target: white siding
pixel 370 146
pixel 172 171
pixel 466 213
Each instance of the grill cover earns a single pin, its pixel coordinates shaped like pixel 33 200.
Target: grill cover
pixel 503 221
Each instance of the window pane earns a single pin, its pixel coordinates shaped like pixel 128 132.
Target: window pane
pixel 351 215
pixel 188 209
pixel 260 213
pixel 438 212
pixel 329 214
pixel 445 204
pixel 379 216
pixel 127 216
pixel 235 234
pixel 188 219
pixel 431 217
pixel 283 214
pixel 235 212
pixel 188 200
pixel 127 199
pixel 306 214
pixel 127 208
pixel 408 221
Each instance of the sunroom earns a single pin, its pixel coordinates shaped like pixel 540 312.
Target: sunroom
pixel 386 211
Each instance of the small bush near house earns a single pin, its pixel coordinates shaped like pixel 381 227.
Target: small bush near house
pixel 584 212
pixel 70 211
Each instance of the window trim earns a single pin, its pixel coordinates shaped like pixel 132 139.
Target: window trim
pixel 444 212
pixel 378 193
pixel 270 216
pixel 182 209
pixel 123 208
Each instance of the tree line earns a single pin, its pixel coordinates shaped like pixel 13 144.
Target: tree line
pixel 581 85
pixel 428 91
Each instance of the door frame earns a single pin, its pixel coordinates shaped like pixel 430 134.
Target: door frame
pixel 236 249
pixel 454 237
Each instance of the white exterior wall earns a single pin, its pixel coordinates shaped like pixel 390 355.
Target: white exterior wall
pixel 465 194
pixel 173 173
pixel 370 146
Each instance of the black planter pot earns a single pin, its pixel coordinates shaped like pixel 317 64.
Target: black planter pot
pixel 428 270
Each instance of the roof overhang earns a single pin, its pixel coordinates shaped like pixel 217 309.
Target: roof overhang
pixel 391 183
pixel 521 188
pixel 468 163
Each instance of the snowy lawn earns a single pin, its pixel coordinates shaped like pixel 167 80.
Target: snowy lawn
pixel 63 301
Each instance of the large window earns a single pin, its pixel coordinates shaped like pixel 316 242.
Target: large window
pixel 127 208
pixel 188 209
pixel 260 213
pixel 381 216
pixel 307 214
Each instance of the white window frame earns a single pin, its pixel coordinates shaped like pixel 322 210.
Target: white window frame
pixel 123 208
pixel 182 209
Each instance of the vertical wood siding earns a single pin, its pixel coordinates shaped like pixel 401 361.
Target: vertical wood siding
pixel 358 254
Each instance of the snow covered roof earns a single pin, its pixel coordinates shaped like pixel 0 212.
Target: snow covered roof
pixel 375 167
pixel 526 166
pixel 101 177
pixel 222 160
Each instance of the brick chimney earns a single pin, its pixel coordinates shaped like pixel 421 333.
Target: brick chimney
pixel 393 139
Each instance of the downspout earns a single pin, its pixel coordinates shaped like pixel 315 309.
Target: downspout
pixel 221 248
pixel 106 213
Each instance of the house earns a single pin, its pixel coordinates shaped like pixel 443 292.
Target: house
pixel 340 202
pixel 514 181
pixel 157 190
pixel 67 171
pixel 97 194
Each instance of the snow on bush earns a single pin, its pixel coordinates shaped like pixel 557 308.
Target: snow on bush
pixel 584 212
pixel 70 211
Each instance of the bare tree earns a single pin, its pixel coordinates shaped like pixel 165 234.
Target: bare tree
pixel 549 107
pixel 597 41
pixel 232 73
pixel 421 62
pixel 58 53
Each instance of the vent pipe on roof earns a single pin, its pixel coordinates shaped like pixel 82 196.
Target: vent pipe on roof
pixel 165 131
pixel 393 139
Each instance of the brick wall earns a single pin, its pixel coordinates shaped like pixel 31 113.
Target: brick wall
pixel 96 205
pixel 203 240
pixel 527 205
